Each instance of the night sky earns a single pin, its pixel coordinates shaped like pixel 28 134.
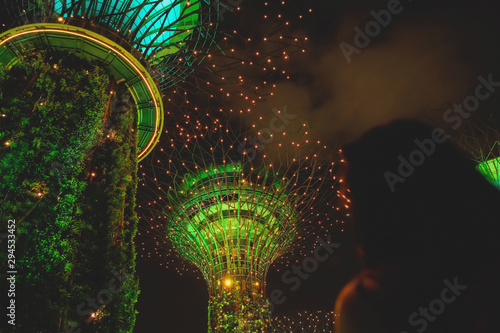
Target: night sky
pixel 427 58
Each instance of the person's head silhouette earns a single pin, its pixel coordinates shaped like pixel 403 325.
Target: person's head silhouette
pixel 415 196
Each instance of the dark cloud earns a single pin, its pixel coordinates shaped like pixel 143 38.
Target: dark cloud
pixel 424 60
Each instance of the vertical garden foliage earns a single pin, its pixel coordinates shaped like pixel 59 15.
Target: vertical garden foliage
pixel 68 178
pixel 110 202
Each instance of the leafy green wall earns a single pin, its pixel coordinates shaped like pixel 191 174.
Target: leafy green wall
pixel 68 176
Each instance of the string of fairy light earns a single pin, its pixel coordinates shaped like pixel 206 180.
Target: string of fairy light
pixel 223 78
pixel 305 322
pixel 184 138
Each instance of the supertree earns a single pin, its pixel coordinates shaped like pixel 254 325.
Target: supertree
pixel 305 322
pixel 230 207
pixel 480 138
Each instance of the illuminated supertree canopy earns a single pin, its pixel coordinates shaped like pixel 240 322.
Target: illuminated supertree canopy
pixel 491 170
pixel 155 28
pixel 231 211
pixel 480 138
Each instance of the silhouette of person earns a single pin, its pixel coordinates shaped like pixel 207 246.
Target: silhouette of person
pixel 426 225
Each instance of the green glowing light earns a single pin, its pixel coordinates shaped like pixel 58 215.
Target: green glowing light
pixel 491 171
pixel 159 33
pixel 241 213
pixel 149 25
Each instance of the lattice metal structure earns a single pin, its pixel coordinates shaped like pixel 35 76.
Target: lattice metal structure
pixel 161 32
pixel 480 138
pixel 231 215
pixel 155 28
pixel 141 42
pixel 305 322
pixel 232 221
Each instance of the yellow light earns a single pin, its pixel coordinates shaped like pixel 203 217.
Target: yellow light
pixel 60 19
pixel 228 282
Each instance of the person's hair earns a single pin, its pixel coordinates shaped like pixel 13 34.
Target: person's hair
pixel 435 203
